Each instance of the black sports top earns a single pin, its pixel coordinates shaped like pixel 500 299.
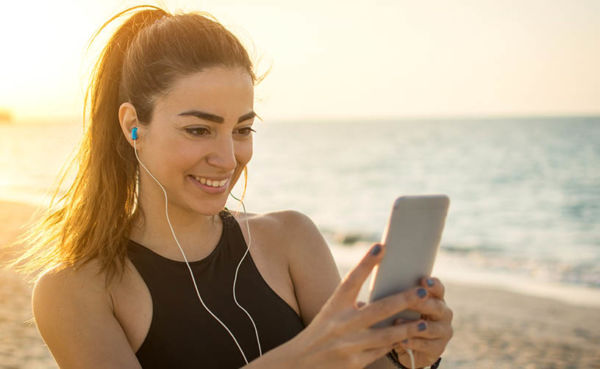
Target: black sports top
pixel 182 332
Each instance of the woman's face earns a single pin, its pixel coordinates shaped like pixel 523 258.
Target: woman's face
pixel 200 130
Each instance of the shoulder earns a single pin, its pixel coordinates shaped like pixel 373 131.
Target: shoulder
pixel 280 217
pixel 286 224
pixel 287 229
pixel 73 312
pixel 59 283
pixel 311 266
pixel 282 220
pixel 63 294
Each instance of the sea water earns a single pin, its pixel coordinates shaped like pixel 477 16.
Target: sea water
pixel 525 192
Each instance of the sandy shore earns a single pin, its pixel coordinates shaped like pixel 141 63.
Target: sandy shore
pixel 20 344
pixel 493 328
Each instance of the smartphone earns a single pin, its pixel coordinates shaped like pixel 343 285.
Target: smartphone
pixel 412 239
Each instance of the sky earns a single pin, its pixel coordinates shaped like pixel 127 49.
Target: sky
pixel 341 59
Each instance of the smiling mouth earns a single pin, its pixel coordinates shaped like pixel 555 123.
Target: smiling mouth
pixel 214 183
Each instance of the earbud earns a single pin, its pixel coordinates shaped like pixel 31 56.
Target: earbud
pixel 134 135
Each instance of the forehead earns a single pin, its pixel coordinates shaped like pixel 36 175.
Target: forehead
pixel 219 90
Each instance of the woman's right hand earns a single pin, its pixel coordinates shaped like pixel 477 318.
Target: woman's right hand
pixel 340 335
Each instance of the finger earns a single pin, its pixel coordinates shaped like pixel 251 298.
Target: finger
pixel 373 354
pixel 424 356
pixel 400 321
pixel 400 347
pixel 431 347
pixel 360 304
pixel 364 348
pixel 434 286
pixel 383 308
pixel 434 309
pixel 431 330
pixel 347 292
pixel 373 338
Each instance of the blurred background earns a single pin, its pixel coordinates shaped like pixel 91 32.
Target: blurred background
pixel 494 103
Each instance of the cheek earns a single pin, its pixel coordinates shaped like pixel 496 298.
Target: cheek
pixel 177 157
pixel 243 152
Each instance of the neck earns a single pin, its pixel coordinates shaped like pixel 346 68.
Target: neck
pixel 197 233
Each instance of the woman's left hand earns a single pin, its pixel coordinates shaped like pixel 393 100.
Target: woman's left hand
pixel 429 344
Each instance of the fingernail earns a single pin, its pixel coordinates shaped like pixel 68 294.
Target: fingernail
pixel 405 341
pixel 421 292
pixel 375 250
pixel 422 326
pixel 430 282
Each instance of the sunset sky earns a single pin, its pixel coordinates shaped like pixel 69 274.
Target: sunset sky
pixel 342 59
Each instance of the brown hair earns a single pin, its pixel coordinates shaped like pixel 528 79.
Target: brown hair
pixel 142 59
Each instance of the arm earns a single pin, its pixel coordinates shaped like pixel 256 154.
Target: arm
pixel 337 336
pixel 73 313
pixel 311 265
pixel 314 272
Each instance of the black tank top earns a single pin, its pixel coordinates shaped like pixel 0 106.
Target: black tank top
pixel 182 332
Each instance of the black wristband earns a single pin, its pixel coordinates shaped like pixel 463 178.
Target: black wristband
pixel 393 356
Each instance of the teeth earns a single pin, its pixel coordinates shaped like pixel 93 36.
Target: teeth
pixel 211 183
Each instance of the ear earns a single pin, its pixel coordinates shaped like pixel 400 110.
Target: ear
pixel 128 120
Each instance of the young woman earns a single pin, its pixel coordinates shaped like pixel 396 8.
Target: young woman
pixel 143 266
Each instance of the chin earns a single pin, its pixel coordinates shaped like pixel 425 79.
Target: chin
pixel 208 207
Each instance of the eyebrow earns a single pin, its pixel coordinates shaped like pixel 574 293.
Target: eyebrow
pixel 215 118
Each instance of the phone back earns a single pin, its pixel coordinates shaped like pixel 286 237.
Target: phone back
pixel 411 237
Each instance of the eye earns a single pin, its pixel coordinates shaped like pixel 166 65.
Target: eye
pixel 246 131
pixel 197 131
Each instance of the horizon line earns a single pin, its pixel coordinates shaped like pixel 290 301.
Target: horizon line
pixel 77 119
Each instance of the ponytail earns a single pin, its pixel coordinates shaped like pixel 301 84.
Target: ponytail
pixel 93 219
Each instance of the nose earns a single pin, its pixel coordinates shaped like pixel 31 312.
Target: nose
pixel 222 154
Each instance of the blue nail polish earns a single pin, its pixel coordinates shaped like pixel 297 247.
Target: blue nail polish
pixel 430 282
pixel 422 326
pixel 375 250
pixel 421 292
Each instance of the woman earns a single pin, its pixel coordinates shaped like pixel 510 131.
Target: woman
pixel 145 267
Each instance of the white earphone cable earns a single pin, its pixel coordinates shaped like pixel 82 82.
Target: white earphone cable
pixel 190 269
pixel 409 351
pixel 412 358
pixel 236 274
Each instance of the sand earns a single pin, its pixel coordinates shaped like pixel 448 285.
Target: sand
pixel 20 343
pixel 493 328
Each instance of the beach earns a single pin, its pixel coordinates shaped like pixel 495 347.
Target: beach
pixel 20 344
pixel 493 328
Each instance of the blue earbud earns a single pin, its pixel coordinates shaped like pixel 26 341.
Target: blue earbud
pixel 134 135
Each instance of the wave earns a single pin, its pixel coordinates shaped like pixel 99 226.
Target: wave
pixel 492 259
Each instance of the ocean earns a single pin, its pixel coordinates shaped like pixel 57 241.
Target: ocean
pixel 525 192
